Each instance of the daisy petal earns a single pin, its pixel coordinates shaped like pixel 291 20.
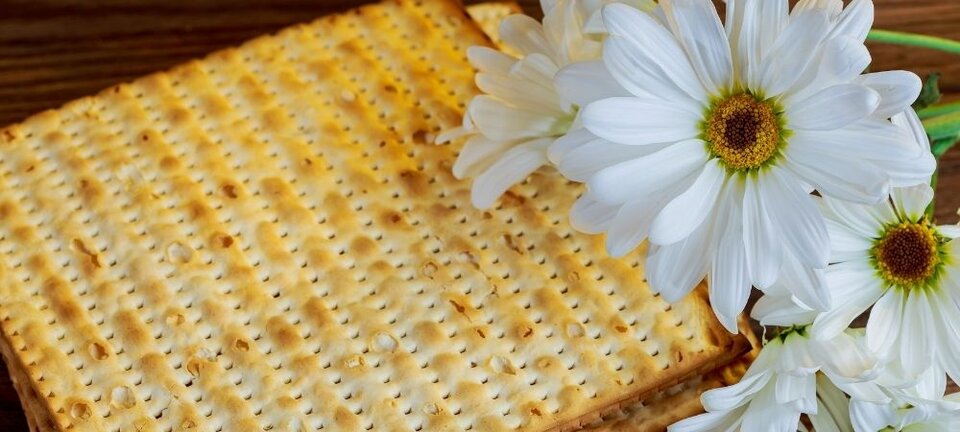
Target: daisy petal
pixel 853 181
pixel 803 230
pixel 490 60
pixel 855 288
pixel 765 414
pixel 729 274
pixel 912 202
pixel 855 20
pixel 832 7
pixel 870 139
pixel 582 163
pixel 846 244
pixel 760 239
pixel 845 356
pixel 514 166
pixel 909 172
pixel 793 389
pixel 949 327
pixel 832 408
pixel 897 89
pixel 910 121
pixel 949 231
pixel 867 221
pixel 591 216
pixel 645 57
pixel 633 121
pixel 883 327
pixel 843 59
pixel 585 82
pixel 697 26
pixel 807 284
pixel 900 161
pixel 674 270
pixel 780 310
pixel 915 345
pixel 711 421
pixel 753 26
pixel 646 175
pixel 519 92
pixel 796 49
pixel 631 225
pixel 536 70
pixel 870 416
pixel 687 211
pixel 525 34
pixel 567 143
pixel 499 121
pixel 833 107
pixel 477 154
pixel 730 397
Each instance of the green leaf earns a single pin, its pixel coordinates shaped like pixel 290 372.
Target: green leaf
pixel 930 94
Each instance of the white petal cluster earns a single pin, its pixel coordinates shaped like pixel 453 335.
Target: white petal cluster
pixel 752 151
pixel 783 382
pixel 521 111
pixel 887 404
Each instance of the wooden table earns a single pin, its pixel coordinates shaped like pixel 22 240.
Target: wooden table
pixel 52 51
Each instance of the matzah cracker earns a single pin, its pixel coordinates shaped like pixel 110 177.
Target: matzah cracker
pixel 266 240
pixel 669 406
pixel 489 15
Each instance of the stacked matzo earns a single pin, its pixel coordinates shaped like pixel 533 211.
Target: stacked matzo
pixel 266 240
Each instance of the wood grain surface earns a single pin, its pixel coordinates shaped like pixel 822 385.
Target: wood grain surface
pixel 53 51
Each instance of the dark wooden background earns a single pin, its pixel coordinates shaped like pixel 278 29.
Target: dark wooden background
pixel 52 51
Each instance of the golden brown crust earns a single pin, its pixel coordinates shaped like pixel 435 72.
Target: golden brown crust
pixel 657 412
pixel 267 239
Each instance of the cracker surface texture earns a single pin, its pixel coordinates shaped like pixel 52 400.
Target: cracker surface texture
pixel 267 239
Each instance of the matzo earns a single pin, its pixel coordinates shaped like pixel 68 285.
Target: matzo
pixel 266 240
pixel 488 17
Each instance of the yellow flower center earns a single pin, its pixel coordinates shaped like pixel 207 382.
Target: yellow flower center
pixel 908 255
pixel 743 131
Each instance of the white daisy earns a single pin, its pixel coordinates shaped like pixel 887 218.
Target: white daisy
pixel 918 407
pixel 521 112
pixel 726 131
pixel 892 257
pixel 781 384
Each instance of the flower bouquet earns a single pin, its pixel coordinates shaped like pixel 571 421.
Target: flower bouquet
pixel 755 151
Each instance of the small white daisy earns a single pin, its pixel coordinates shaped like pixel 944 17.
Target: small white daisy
pixel 892 257
pixel 782 382
pixel 917 407
pixel 521 112
pixel 726 131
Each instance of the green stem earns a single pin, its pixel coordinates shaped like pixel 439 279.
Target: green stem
pixel 939 110
pixel 944 126
pixel 913 39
